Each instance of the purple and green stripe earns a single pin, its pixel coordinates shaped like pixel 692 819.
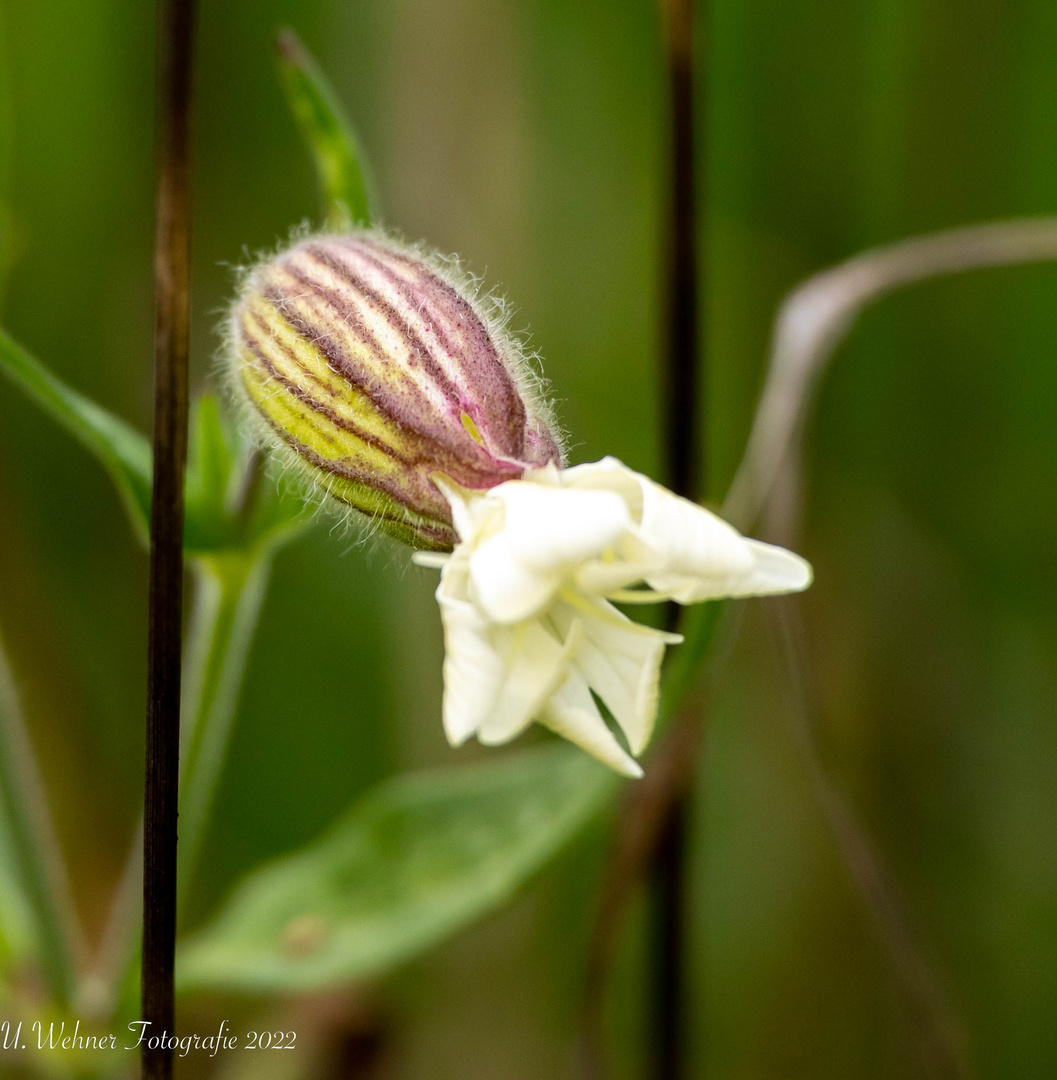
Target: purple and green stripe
pixel 377 373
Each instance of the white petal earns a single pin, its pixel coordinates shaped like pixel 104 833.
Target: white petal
pixel 548 475
pixel 472 512
pixel 506 589
pixel 609 474
pixel 559 527
pixel 535 663
pixel 705 558
pixel 772 571
pixel 621 662
pixel 629 560
pixel 693 541
pixel 573 714
pixel 680 549
pixel 473 669
pixel 546 532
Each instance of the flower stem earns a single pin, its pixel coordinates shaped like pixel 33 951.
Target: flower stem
pixel 229 594
pixel 684 467
pixel 172 266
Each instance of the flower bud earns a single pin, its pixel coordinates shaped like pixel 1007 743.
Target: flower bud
pixel 376 370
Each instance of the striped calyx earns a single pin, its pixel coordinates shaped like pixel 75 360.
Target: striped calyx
pixel 375 371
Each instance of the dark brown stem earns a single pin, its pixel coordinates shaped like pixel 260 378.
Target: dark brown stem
pixel 669 937
pixel 685 471
pixel 684 464
pixel 643 826
pixel 652 824
pixel 171 268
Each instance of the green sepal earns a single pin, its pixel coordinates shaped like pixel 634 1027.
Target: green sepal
pixel 223 516
pixel 212 452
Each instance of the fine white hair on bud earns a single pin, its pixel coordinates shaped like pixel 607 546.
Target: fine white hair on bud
pixel 374 367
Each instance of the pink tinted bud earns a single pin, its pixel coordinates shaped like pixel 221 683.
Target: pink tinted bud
pixel 375 368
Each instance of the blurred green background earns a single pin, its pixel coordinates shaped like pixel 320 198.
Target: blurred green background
pixel 529 137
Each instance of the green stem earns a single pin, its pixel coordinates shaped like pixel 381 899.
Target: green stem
pixel 40 865
pixel 230 590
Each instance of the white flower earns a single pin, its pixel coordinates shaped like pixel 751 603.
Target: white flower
pixel 529 629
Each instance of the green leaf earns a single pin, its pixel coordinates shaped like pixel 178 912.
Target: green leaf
pixel 214 524
pixel 418 858
pixel 340 165
pixel 123 451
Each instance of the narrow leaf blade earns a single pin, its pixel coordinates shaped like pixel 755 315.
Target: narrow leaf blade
pixel 123 451
pixel 417 859
pixel 340 164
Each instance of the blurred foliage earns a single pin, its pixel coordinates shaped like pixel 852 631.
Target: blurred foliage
pixel 417 858
pixel 529 138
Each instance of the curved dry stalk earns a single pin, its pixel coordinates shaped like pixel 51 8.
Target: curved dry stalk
pixel 810 326
pixel 815 317
pixel 942 1033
